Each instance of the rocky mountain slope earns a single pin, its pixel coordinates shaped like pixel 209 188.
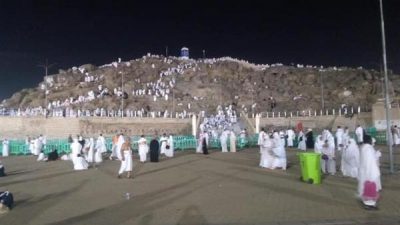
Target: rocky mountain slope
pixel 156 83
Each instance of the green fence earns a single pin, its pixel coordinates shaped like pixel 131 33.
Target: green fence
pixel 181 143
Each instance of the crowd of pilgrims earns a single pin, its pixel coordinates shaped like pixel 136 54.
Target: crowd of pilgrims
pixel 357 157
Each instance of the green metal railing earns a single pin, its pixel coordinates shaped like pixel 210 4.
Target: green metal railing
pixel 181 143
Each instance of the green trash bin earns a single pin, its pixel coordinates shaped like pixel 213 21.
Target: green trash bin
pixel 310 167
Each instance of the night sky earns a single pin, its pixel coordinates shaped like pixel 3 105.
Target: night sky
pixel 72 33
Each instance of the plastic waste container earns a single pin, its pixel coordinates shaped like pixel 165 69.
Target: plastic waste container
pixel 310 167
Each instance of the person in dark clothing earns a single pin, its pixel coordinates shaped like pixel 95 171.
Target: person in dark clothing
pixel 205 150
pixel 70 139
pixel 154 149
pixel 53 156
pixel 309 139
pixel 2 170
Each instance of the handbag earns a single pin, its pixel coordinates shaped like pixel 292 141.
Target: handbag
pixel 324 157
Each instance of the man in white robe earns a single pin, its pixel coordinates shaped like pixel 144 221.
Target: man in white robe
pixel 290 137
pixel 279 152
pixel 261 138
pixel 339 138
pixel 163 143
pixel 121 141
pixel 143 149
pixel 169 150
pixel 91 150
pixel 266 151
pixel 232 139
pixel 223 139
pixel 76 156
pixel 37 146
pixel 199 148
pixel 360 134
pixel 101 144
pixel 369 175
pixel 6 149
pixel 302 141
pixel 350 159
pixel 328 164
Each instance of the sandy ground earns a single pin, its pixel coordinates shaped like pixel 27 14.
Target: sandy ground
pixel 221 188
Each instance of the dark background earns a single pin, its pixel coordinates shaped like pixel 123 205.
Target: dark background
pixel 72 33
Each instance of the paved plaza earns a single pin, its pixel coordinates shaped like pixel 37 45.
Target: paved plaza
pixel 220 188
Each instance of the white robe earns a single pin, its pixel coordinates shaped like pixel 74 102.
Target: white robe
pixel 101 144
pixel 339 139
pixel 266 159
pixel 329 165
pixel 78 161
pixel 32 146
pixel 223 139
pixel 368 170
pixel 199 148
pixel 90 154
pixel 279 153
pixel 232 139
pixel 302 144
pixel 290 137
pixel 41 157
pixel 143 149
pixel 121 141
pixel 170 152
pixel 359 134
pixel 163 142
pixel 6 150
pixel 127 164
pixel 350 159
pixel 37 146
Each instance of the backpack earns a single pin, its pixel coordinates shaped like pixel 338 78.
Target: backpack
pixel 7 199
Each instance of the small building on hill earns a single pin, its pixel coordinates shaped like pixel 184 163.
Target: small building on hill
pixel 184 53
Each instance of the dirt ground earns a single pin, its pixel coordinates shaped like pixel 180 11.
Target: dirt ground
pixel 220 188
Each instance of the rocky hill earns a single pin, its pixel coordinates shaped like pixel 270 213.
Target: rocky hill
pixel 156 83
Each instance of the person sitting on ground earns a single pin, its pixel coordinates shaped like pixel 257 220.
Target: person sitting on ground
pixel 53 156
pixel 6 201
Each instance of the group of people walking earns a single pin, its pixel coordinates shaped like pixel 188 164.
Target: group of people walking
pixel 358 157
